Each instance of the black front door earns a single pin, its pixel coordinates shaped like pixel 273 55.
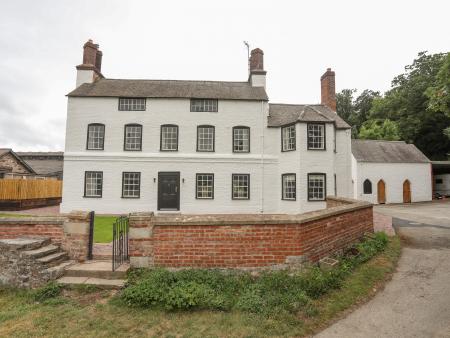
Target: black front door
pixel 169 191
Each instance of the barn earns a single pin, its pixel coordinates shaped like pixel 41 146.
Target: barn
pixel 390 172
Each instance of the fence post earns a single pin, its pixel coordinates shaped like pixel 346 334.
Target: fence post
pixel 91 234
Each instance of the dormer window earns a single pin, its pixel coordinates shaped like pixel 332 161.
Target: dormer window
pixel 204 105
pixel 129 104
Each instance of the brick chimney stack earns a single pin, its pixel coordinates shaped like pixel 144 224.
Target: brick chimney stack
pixel 90 70
pixel 328 89
pixel 257 72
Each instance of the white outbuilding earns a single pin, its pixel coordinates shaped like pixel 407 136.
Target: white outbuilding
pixel 390 172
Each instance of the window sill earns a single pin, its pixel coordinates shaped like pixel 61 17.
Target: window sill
pixel 92 196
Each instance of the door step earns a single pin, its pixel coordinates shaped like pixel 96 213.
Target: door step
pixel 97 269
pixel 98 282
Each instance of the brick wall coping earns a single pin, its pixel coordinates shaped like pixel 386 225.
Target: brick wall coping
pixel 248 219
pixel 32 220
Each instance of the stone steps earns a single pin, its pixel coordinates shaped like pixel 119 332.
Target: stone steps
pixel 42 251
pixel 96 272
pixel 97 269
pixel 25 243
pixel 54 258
pixel 57 271
pixel 98 282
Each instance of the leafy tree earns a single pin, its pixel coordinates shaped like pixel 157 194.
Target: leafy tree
pixel 380 130
pixel 355 111
pixel 408 103
pixel 345 103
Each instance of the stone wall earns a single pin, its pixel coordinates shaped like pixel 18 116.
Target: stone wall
pixel 246 241
pixel 13 165
pixel 71 232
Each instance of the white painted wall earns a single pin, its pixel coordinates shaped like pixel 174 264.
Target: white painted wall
pixel 394 174
pixel 84 76
pixel 265 163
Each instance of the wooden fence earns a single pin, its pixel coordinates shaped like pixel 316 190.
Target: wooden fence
pixel 29 189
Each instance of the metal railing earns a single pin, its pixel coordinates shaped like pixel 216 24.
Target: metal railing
pixel 120 242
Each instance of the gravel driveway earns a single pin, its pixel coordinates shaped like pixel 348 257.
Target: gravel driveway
pixel 416 303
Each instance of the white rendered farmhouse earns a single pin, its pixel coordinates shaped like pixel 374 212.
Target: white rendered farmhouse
pixel 200 146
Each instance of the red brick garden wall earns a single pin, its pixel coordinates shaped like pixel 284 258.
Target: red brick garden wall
pixel 70 232
pixel 246 241
pixel 28 228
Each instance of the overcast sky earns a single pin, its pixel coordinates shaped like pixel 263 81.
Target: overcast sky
pixel 367 43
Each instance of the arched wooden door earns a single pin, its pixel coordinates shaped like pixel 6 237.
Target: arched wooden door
pixel 406 191
pixel 381 192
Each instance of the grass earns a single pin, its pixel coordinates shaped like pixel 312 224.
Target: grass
pixel 103 229
pixel 91 313
pixel 13 215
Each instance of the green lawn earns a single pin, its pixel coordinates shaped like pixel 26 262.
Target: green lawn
pixel 88 313
pixel 103 229
pixel 13 215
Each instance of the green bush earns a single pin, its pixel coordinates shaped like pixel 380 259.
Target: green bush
pixel 49 291
pixel 275 292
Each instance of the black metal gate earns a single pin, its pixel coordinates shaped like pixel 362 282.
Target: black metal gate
pixel 120 242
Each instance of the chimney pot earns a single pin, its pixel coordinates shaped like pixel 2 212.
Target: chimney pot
pixel 328 89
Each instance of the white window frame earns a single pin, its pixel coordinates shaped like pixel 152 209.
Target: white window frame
pixel 204 105
pixel 288 138
pixel 316 136
pixel 240 186
pixel 317 187
pixel 133 137
pixel 95 136
pixel 169 137
pixel 241 139
pixel 204 186
pixel 131 184
pixel 93 188
pixel 289 187
pixel 132 104
pixel 205 138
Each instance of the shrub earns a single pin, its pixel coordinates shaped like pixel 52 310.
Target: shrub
pixel 272 293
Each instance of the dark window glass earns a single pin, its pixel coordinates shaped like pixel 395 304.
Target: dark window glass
pixel 367 187
pixel 205 105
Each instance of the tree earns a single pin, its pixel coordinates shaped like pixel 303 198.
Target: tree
pixel 410 104
pixel 355 111
pixel 379 130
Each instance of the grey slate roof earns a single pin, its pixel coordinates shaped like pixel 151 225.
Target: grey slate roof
pixel 46 167
pixel 170 89
pixel 44 163
pixel 40 153
pixel 387 152
pixel 283 114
